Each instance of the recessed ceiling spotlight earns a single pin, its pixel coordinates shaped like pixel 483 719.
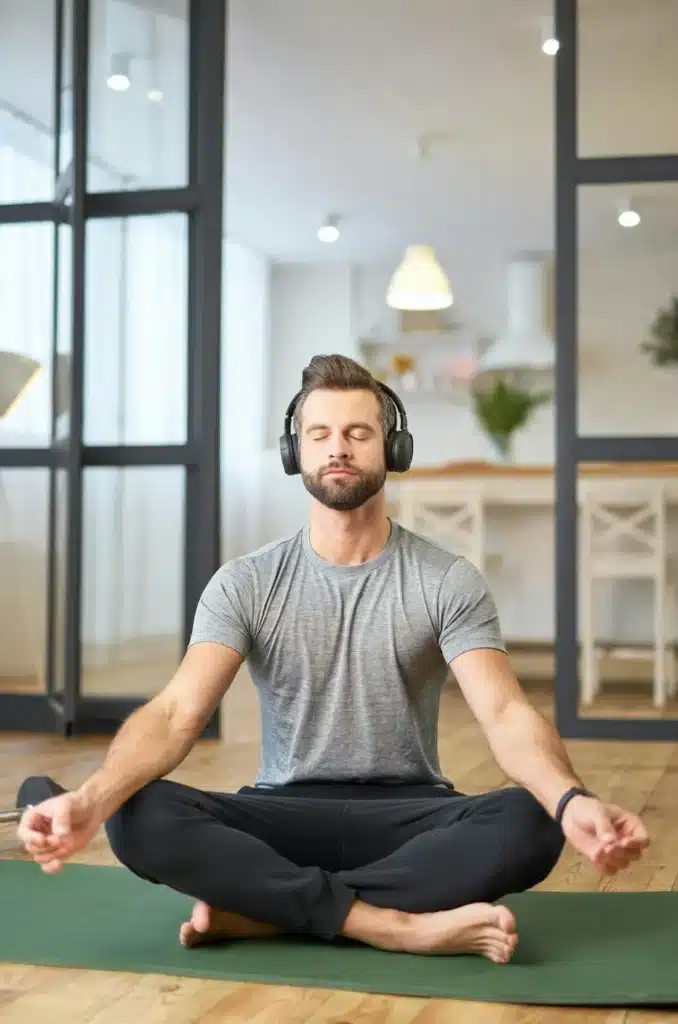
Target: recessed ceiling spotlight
pixel 549 44
pixel 155 95
pixel 329 232
pixel 629 218
pixel 118 78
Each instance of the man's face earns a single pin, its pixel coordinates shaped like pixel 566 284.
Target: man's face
pixel 342 448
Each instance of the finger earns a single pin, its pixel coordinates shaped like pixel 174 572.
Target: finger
pixel 46 858
pixel 44 842
pixel 27 835
pixel 634 845
pixel 52 867
pixel 61 824
pixel 617 860
pixel 33 822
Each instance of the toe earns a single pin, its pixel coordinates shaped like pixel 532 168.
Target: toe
pixel 200 918
pixel 505 919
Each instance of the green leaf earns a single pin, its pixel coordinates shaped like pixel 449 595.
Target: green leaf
pixel 663 346
pixel 504 408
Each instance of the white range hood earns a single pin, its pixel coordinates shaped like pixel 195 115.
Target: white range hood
pixel 527 343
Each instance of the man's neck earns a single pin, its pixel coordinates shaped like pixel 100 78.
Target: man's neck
pixel 349 538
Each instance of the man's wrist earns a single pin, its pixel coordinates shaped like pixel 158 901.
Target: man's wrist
pixel 98 794
pixel 565 799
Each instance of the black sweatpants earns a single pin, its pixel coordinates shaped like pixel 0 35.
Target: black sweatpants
pixel 298 856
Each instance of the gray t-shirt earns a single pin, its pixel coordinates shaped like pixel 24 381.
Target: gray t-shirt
pixel 349 661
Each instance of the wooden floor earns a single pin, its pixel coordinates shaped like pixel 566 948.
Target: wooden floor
pixel 643 777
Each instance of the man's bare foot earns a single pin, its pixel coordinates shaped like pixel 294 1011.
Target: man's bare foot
pixel 479 928
pixel 210 925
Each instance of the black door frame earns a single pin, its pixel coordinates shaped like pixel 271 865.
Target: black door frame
pixel 202 201
pixel 573 171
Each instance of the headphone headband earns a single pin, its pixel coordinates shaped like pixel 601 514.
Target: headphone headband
pixel 399 444
pixel 384 388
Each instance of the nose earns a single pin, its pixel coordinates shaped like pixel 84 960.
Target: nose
pixel 339 448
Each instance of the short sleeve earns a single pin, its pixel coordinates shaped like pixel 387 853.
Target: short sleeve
pixel 225 610
pixel 467 614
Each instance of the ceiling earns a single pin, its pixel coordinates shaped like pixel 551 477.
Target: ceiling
pixel 326 101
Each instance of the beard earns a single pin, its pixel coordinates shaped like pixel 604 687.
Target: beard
pixel 344 493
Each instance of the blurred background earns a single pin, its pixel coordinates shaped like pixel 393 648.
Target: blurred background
pixel 195 199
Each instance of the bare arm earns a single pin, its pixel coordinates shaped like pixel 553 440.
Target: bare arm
pixel 524 744
pixel 157 737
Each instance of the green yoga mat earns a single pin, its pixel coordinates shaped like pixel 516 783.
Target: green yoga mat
pixel 614 949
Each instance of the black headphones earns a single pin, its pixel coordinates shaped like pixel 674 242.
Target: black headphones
pixel 398 446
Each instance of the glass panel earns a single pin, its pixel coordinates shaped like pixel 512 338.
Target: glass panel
pixel 628 77
pixel 628 299
pixel 136 309
pixel 64 339
pixel 132 607
pixel 66 113
pixel 24 496
pixel 59 594
pixel 27 101
pixel 138 126
pixel 628 589
pixel 26 299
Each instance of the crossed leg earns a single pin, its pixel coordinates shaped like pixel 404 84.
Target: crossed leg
pixel 416 874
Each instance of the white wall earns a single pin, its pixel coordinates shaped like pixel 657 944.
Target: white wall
pixel 311 313
pixel 245 376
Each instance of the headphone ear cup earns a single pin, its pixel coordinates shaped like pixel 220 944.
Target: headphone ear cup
pixel 289 449
pixel 399 451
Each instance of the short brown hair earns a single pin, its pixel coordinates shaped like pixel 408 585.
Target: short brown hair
pixel 340 373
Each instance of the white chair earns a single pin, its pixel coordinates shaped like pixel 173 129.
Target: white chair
pixel 453 519
pixel 623 536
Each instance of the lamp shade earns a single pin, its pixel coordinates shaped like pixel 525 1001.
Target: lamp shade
pixel 419 282
pixel 16 373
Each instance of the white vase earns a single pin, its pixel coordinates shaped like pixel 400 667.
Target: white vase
pixel 501 450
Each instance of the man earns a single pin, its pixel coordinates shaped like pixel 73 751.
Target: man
pixel 349 628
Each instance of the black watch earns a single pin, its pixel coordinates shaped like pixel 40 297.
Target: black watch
pixel 565 799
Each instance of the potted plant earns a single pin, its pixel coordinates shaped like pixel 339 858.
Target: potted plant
pixel 503 408
pixel 663 348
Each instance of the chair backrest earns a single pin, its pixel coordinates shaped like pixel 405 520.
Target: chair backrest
pixel 456 522
pixel 623 518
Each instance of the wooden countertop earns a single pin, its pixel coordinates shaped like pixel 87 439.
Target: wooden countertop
pixel 491 469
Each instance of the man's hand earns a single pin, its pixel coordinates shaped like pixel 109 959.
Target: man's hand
pixel 608 835
pixel 57 828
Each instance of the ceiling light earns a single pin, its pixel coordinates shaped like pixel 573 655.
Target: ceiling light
pixel 329 232
pixel 419 283
pixel 629 218
pixel 549 44
pixel 155 95
pixel 118 79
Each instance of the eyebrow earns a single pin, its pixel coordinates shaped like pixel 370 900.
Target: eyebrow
pixel 349 426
